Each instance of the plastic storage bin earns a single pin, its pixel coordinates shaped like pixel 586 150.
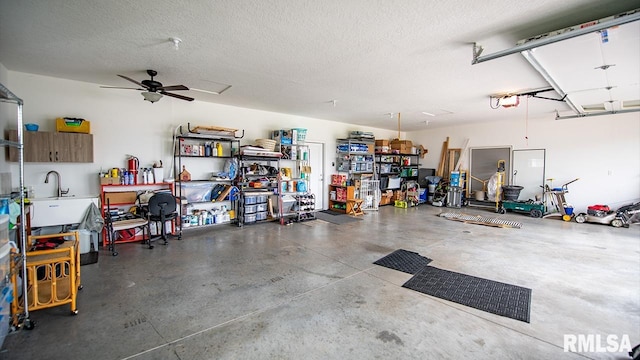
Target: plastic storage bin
pixel 196 192
pixel 250 200
pixel 5 261
pixel 6 297
pixel 261 199
pixel 73 125
pixel 261 216
pixel 250 209
pixel 5 249
pixel 301 134
pixel 261 207
pixel 249 218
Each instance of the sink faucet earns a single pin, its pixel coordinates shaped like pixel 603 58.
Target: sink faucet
pixel 60 191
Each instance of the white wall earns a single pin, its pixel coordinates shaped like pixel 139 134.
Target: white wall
pixel 122 123
pixel 8 113
pixel 603 151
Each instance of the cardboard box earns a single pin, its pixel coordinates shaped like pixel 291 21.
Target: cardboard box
pixel 398 195
pixel 109 180
pixel 73 125
pixel 382 142
pixel 121 197
pixel 386 197
pixel 338 179
pixel 404 146
pixel 282 136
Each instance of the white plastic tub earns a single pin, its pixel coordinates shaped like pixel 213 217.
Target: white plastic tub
pixel 5 263
pixel 6 297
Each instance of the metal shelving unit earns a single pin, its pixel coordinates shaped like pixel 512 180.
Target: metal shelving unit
pixel 7 96
pixel 355 157
pixel 269 186
pixel 296 159
pixel 195 144
pixel 403 166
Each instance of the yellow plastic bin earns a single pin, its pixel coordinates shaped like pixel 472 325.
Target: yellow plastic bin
pixel 73 125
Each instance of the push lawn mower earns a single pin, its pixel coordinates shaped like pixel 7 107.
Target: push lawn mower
pixel 602 214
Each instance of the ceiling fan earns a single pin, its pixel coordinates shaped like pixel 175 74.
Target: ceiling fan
pixel 153 90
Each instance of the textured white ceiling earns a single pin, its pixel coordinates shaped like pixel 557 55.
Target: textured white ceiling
pixel 294 56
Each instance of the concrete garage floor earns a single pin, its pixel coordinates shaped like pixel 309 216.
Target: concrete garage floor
pixel 310 291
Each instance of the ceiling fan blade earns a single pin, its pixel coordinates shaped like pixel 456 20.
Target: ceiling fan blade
pixel 176 96
pixel 133 81
pixel 119 87
pixel 173 88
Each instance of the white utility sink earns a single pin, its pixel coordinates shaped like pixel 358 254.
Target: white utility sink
pixel 60 210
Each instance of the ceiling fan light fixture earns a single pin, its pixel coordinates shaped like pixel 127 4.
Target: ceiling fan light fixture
pixel 151 96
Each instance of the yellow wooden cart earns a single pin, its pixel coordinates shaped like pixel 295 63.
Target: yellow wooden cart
pixel 53 276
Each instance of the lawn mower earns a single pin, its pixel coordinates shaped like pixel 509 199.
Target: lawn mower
pixel 602 214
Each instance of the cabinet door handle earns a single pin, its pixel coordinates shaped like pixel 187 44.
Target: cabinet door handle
pixel 50 156
pixel 56 156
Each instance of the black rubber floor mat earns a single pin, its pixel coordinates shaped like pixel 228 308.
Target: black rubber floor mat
pixel 404 260
pixel 338 220
pixel 331 212
pixel 486 295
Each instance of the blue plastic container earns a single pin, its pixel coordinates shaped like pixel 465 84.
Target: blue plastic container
pixel 454 179
pixel 31 127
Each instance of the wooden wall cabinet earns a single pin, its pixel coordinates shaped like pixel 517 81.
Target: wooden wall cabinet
pixel 40 146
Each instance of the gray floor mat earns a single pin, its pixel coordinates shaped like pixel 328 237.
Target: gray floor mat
pixel 487 295
pixel 403 260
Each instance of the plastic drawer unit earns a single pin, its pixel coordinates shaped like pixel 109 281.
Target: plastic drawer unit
pixel 53 276
pixel 6 297
pixel 5 262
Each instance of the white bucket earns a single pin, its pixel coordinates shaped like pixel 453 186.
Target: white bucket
pixel 158 175
pixel 479 195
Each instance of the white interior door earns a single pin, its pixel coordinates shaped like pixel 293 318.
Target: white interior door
pixel 528 172
pixel 316 180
